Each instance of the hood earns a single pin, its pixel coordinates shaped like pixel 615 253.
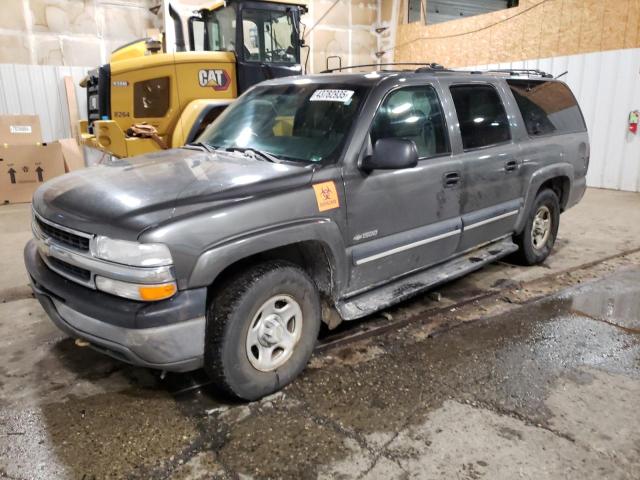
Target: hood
pixel 123 198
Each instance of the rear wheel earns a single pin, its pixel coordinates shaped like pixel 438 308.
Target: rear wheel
pixel 262 326
pixel 539 234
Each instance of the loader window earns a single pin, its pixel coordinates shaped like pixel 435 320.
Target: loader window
pixel 151 98
pixel 214 32
pixel 268 36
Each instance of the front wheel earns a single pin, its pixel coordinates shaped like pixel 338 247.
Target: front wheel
pixel 539 234
pixel 262 327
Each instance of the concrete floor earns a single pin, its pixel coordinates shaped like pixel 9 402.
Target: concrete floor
pixel 539 378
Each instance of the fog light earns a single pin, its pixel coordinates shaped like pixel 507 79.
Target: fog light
pixel 135 291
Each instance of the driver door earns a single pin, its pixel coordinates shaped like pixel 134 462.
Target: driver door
pixel 268 45
pixel 404 220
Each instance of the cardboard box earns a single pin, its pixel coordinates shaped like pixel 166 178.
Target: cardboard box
pixel 23 168
pixel 20 129
pixel 26 163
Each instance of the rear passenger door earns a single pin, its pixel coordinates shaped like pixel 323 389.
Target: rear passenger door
pixel 404 220
pixel 492 181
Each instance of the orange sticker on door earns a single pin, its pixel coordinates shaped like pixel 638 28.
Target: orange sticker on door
pixel 326 196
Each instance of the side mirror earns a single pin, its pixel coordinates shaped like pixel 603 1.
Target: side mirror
pixel 391 154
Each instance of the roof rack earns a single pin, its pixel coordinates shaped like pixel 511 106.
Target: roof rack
pixel 515 72
pixel 423 66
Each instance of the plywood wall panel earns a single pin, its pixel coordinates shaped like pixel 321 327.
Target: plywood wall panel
pixel 533 32
pixel 551 25
pixel 593 12
pixel 631 25
pixel 536 28
pixel 570 13
pixel 614 24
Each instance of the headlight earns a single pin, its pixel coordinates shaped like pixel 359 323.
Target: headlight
pixel 132 253
pixel 134 291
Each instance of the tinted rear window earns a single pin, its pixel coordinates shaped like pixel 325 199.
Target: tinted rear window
pixel 547 107
pixel 483 120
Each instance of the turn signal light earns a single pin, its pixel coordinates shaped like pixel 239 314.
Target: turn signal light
pixel 151 293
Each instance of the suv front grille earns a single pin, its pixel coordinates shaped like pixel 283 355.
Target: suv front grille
pixel 71 270
pixel 64 237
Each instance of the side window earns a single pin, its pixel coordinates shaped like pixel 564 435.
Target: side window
pixel 482 117
pixel 547 107
pixel 151 98
pixel 413 113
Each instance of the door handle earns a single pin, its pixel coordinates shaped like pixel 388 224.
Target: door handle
pixel 511 165
pixel 451 179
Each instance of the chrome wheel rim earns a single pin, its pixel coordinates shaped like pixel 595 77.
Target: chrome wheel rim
pixel 541 228
pixel 274 333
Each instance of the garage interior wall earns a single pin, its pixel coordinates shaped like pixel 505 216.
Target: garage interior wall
pixel 344 28
pixel 607 87
pixel 43 41
pixel 70 32
pixel 595 41
pixel 534 29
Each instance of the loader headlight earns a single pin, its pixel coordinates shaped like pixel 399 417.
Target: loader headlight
pixel 132 253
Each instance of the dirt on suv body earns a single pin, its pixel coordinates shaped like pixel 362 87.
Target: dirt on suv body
pixel 313 198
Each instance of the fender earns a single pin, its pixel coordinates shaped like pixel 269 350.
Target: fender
pixel 323 230
pixel 191 118
pixel 535 182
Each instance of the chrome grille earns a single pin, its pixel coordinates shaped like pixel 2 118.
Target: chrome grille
pixel 63 237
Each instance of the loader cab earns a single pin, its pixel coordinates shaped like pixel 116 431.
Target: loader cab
pixel 265 37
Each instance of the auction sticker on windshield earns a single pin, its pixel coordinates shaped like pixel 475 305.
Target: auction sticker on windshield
pixel 326 95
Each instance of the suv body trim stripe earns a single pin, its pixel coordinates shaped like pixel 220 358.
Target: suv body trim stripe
pixel 408 246
pixel 492 219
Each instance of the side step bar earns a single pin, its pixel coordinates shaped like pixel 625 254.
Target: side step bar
pixel 389 294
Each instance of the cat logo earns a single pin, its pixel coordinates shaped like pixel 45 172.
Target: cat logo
pixel 217 79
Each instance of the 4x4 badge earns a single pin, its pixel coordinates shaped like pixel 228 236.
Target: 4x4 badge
pixel 326 196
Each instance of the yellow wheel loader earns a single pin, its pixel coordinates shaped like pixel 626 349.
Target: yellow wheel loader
pixel 150 97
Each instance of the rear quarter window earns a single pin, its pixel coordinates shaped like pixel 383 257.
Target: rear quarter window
pixel 548 108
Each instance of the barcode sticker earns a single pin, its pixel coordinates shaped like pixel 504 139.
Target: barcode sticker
pixel 342 96
pixel 20 128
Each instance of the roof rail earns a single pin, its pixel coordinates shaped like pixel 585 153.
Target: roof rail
pixel 423 66
pixel 516 72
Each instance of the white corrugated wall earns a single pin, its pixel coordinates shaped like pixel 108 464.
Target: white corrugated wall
pixel 39 90
pixel 607 86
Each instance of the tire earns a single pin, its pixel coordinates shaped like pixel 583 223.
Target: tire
pixel 248 353
pixel 534 249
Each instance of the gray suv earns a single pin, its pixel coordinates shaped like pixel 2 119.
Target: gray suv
pixel 310 199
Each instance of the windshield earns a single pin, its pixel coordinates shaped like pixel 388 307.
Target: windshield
pixel 301 122
pixel 215 31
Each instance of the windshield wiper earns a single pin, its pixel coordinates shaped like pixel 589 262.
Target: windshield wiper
pixel 202 145
pixel 266 155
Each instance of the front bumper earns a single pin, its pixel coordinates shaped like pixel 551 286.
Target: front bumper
pixel 166 335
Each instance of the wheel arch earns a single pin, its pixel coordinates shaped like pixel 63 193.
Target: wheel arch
pixel 555 177
pixel 192 117
pixel 316 246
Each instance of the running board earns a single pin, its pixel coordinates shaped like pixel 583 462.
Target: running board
pixel 382 297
